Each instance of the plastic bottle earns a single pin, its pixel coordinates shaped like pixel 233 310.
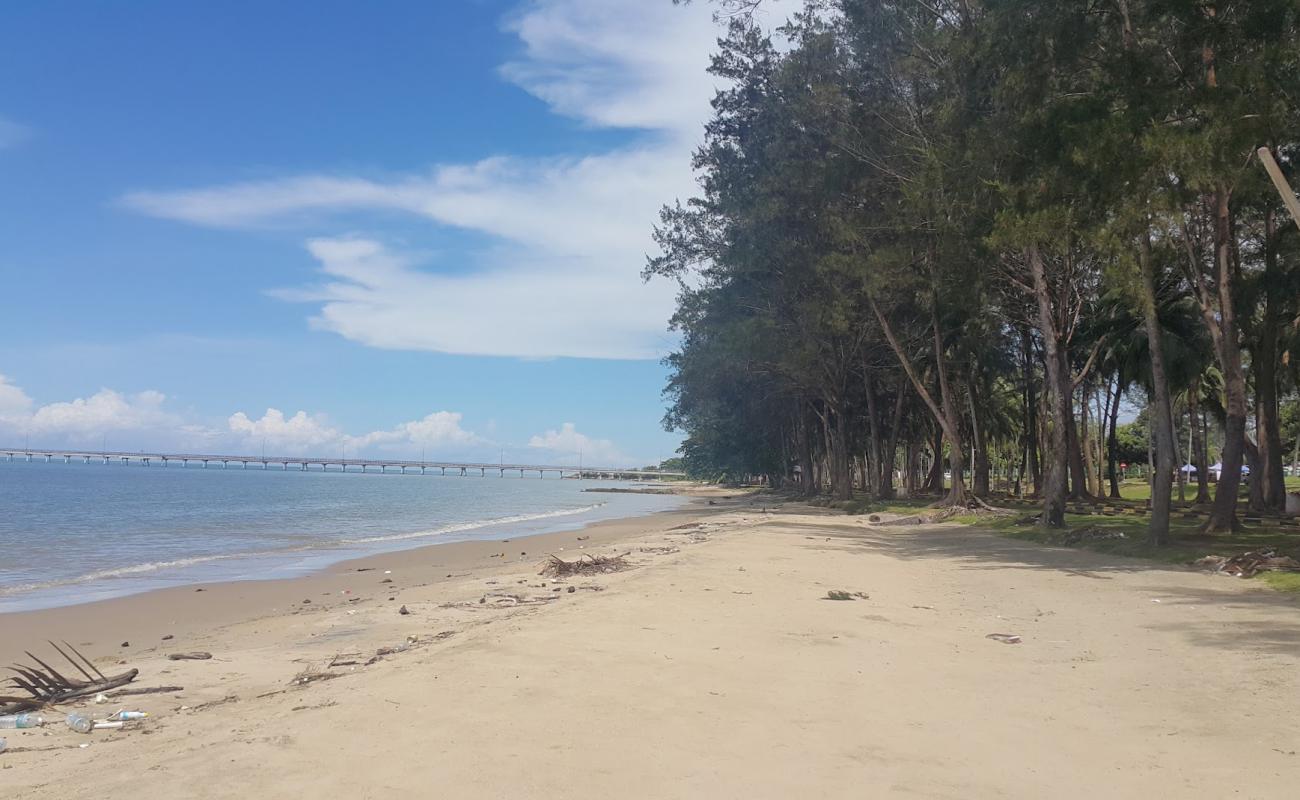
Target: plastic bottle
pixel 80 723
pixel 22 721
pixel 129 715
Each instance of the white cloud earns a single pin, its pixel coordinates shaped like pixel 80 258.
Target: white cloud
pixel 381 299
pixel 89 421
pixel 567 441
pixel 280 433
pixel 14 402
pixel 571 234
pixel 145 420
pixel 630 64
pixel 11 133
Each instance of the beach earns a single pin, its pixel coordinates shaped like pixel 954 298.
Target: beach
pixel 714 667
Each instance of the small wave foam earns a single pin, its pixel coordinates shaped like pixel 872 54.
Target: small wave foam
pixel 181 563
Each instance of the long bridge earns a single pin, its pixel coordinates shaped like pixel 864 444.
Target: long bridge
pixel 335 464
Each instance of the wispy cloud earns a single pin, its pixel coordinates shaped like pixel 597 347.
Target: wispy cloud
pixel 571 233
pixel 11 133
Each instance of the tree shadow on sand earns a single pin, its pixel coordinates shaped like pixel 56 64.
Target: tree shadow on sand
pixel 1273 625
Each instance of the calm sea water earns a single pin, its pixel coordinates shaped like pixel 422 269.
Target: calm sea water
pixel 71 533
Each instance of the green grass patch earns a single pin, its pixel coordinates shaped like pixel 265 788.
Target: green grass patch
pixel 1186 544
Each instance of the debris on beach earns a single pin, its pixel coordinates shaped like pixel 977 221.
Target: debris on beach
pixel 1088 533
pixel 44 685
pixel 588 564
pixel 312 675
pixel 404 611
pixel 1250 564
pixel 195 656
pixel 840 594
pixel 1005 638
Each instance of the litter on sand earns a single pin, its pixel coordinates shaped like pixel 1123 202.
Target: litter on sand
pixel 1005 638
pixel 1249 564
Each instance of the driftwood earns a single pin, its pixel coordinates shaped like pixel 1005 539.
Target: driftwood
pixel 198 656
pixel 44 685
pixel 557 567
pixel 146 690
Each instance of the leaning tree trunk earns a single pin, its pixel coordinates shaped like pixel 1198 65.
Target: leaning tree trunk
pixel 945 416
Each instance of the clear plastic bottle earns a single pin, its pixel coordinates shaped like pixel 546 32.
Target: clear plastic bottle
pixel 129 715
pixel 80 723
pixel 22 721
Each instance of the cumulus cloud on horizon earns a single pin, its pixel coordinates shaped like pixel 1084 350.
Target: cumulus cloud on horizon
pixel 569 233
pixel 145 419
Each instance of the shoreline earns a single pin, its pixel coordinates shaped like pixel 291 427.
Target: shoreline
pixel 101 627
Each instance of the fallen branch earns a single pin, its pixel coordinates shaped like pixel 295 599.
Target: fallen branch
pixel 197 656
pixel 44 685
pixel 588 564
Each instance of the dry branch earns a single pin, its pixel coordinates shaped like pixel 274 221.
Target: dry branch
pixel 588 564
pixel 45 685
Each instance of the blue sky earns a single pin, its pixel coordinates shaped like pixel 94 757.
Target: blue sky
pixel 390 227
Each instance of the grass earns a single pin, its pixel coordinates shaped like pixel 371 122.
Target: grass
pixel 1186 544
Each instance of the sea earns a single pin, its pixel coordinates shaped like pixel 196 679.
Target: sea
pixel 74 533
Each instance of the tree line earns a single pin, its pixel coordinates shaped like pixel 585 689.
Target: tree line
pixel 953 235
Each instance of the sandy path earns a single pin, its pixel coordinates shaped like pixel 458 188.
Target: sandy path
pixel 717 671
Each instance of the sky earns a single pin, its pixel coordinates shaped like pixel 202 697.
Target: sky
pixel 393 228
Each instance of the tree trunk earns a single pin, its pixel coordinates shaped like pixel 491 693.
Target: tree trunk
pixel 874 446
pixel 1198 444
pixel 1223 516
pixel 1112 438
pixel 980 482
pixel 885 489
pixel 1162 481
pixel 1270 478
pixel 1085 442
pixel 1058 390
pixel 1031 414
pixel 1078 472
pixel 934 480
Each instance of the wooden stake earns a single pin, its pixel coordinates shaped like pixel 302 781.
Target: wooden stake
pixel 1279 180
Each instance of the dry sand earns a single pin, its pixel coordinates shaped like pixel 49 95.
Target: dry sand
pixel 715 669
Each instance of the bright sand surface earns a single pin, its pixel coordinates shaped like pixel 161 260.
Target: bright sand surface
pixel 714 669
